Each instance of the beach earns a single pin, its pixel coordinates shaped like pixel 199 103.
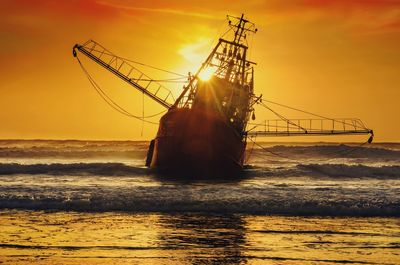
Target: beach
pixel 94 202
pixel 127 238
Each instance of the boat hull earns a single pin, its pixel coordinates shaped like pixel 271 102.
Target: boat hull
pixel 194 141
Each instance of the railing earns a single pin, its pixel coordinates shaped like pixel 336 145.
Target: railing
pixel 126 71
pixel 290 127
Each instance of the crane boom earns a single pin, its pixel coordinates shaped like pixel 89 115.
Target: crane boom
pixel 310 127
pixel 126 71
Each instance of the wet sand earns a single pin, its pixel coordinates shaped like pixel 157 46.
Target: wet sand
pixel 37 237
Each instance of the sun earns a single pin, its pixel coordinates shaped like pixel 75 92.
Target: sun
pixel 206 74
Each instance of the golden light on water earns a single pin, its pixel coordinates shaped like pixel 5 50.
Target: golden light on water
pixel 120 238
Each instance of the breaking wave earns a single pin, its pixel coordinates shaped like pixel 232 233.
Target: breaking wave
pixel 244 200
pixel 85 149
pixel 359 181
pixel 39 152
pixel 341 170
pixel 102 169
pixel 120 169
pixel 341 150
pixel 328 170
pixel 71 149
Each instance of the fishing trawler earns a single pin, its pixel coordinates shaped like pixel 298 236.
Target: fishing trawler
pixel 205 128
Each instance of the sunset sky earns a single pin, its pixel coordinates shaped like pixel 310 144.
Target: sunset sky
pixel 338 58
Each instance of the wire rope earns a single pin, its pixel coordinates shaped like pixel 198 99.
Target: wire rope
pixel 310 113
pixel 111 102
pixel 282 117
pixel 106 52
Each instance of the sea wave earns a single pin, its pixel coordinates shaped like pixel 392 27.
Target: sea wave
pixel 328 170
pixel 102 169
pixel 71 149
pixel 341 170
pixel 44 152
pixel 120 169
pixel 86 149
pixel 333 151
pixel 218 199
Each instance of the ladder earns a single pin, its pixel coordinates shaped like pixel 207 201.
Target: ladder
pixel 123 68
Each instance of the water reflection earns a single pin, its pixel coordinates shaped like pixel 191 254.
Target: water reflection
pixel 205 239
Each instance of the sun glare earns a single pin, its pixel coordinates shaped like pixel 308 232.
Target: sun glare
pixel 206 74
pixel 194 53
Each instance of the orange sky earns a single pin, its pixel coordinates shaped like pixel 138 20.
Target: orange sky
pixel 337 58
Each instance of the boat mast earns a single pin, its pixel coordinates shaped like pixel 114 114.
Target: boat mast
pixel 227 61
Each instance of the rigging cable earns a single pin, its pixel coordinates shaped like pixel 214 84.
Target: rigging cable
pixel 336 154
pixel 346 152
pixel 310 113
pixel 106 52
pixel 171 80
pixel 141 132
pixel 268 151
pixel 282 117
pixel 251 149
pixel 112 103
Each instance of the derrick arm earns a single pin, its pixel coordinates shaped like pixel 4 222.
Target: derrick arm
pixel 309 127
pixel 123 69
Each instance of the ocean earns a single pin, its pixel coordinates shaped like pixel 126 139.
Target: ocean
pixel 94 202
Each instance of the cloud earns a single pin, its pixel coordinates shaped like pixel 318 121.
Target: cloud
pixel 357 17
pixel 26 24
pixel 72 9
pixel 349 6
pixel 393 25
pixel 165 10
